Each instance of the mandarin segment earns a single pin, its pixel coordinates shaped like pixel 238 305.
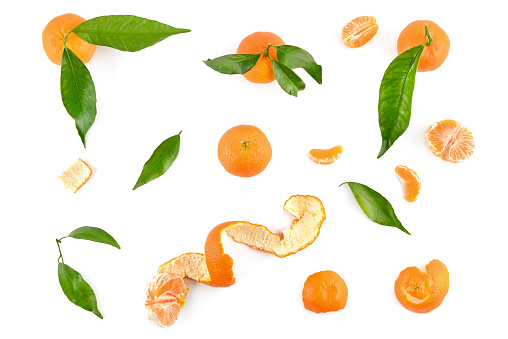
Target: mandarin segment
pixel 262 72
pixel 435 53
pixel 422 292
pixel 325 156
pixel 410 182
pixel 359 31
pixel 324 291
pixel 54 33
pixel 450 141
pixel 164 297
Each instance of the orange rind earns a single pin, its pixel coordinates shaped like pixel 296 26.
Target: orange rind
pixel 422 292
pixel 359 31
pixel 325 156
pixel 215 267
pixel 76 175
pixel 450 141
pixel 411 185
pixel 164 297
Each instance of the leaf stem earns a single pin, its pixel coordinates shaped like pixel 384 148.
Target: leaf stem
pixel 58 241
pixel 65 38
pixel 427 35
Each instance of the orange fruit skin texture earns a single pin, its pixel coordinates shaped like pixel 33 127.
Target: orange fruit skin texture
pixel 53 34
pixel 324 291
pixel 325 156
pixel 262 72
pixel 359 31
pixel 239 159
pixel 450 141
pixel 432 56
pixel 164 297
pixel 422 292
pixel 411 184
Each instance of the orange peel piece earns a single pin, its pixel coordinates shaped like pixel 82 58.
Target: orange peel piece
pixel 215 267
pixel 422 292
pixel 76 175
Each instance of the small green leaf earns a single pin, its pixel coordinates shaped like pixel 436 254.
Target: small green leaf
pixel 77 289
pixel 375 206
pixel 396 96
pixel 78 92
pixel 295 57
pixel 287 79
pixel 160 161
pixel 233 63
pixel 125 32
pixel 94 234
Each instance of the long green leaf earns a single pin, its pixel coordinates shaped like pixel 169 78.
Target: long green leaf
pixel 295 57
pixel 396 96
pixel 125 32
pixel 287 79
pixel 160 161
pixel 94 234
pixel 78 92
pixel 375 206
pixel 233 63
pixel 77 289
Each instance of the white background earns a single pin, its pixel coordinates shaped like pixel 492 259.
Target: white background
pixel 148 96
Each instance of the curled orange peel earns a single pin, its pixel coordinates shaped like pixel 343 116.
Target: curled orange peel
pixel 215 267
pixel 422 292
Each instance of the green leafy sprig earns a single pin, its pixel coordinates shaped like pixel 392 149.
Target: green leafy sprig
pixel 123 32
pixel 289 57
pixel 376 207
pixel 77 290
pixel 396 94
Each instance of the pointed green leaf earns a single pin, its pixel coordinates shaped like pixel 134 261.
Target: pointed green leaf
pixel 125 32
pixel 295 57
pixel 77 289
pixel 233 63
pixel 78 92
pixel 94 234
pixel 396 96
pixel 160 161
pixel 375 206
pixel 287 79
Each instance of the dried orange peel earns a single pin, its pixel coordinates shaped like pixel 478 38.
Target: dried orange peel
pixel 215 267
pixel 422 292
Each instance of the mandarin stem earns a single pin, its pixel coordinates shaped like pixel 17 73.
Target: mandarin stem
pixel 245 146
pixel 58 241
pixel 427 35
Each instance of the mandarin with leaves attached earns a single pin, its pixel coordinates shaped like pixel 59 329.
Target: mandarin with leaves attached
pixel 434 53
pixel 53 39
pixel 262 72
pixel 244 151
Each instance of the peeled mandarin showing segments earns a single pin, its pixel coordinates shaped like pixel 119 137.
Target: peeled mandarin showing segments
pixel 450 141
pixel 411 184
pixel 422 292
pixel 164 296
pixel 324 291
pixel 359 31
pixel 325 156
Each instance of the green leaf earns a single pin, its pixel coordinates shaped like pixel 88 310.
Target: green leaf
pixel 94 234
pixel 233 63
pixel 160 161
pixel 77 289
pixel 375 206
pixel 396 96
pixel 287 79
pixel 295 57
pixel 78 92
pixel 125 32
